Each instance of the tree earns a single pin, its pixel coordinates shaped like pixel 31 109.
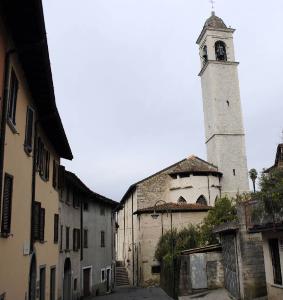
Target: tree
pixel 270 196
pixel 223 211
pixel 253 176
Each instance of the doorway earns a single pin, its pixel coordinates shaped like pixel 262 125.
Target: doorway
pixel 67 281
pixel 32 279
pixel 86 281
pixel 108 280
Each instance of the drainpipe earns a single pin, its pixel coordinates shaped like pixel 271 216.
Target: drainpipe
pixel 208 185
pixel 4 115
pixel 133 245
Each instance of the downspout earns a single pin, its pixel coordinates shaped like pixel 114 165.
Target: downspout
pixel 208 186
pixel 33 184
pixel 4 116
pixel 133 245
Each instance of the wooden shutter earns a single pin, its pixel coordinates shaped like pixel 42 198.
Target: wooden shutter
pixel 42 224
pixel 36 220
pixel 102 239
pixel 74 240
pixel 55 174
pixel 56 228
pixel 47 164
pixel 7 205
pixel 29 129
pixel 79 238
pixel 61 177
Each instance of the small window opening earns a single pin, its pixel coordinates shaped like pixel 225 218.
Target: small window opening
pixel 75 284
pixel 201 200
pixel 234 172
pixel 182 200
pixel 275 259
pixel 155 269
pixel 204 54
pixel 220 51
pixel 228 103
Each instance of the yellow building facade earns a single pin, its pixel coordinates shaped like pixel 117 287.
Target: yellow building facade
pixel 32 142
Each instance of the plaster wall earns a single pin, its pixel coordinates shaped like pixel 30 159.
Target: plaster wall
pixel 69 217
pixel 150 231
pixel 14 263
pixel 95 256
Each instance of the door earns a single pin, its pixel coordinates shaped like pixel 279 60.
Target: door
pixel 67 281
pixel 230 264
pixel 42 280
pixel 86 282
pixel 52 283
pixel 198 271
pixel 108 280
pixel 32 279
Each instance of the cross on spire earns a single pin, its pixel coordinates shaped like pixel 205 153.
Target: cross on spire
pixel 212 5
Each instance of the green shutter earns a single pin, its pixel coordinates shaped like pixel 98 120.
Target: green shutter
pixel 7 205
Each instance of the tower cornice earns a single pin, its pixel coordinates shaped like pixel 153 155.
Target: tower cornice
pixel 217 63
pixel 205 28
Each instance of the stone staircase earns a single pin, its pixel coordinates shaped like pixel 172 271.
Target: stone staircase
pixel 122 278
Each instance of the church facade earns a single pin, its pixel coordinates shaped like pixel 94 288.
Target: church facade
pixel 183 193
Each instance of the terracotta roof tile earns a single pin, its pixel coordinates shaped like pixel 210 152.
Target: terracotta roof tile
pixel 176 207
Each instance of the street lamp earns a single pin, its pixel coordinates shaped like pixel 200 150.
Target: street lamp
pixel 155 216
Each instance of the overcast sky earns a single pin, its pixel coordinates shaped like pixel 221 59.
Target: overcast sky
pixel 126 84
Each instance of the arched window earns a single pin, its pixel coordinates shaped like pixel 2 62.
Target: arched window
pixel 201 200
pixel 182 200
pixel 204 54
pixel 220 51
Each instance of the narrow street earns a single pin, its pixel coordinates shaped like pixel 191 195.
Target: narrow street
pixel 128 293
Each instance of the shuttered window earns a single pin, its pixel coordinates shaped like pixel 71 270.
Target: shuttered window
pixel 7 205
pixel 102 239
pixel 67 238
pixel 29 129
pixel 42 225
pixel 56 228
pixel 76 239
pixel 13 94
pixel 85 238
pixel 42 160
pixel 55 174
pixel 36 220
pixel 61 237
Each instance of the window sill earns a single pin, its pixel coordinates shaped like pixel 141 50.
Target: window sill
pixel 5 235
pixel 67 250
pixel 277 286
pixel 12 126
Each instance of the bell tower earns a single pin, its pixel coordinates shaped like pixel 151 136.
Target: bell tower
pixel 224 130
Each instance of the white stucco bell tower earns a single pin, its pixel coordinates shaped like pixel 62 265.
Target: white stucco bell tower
pixel 224 131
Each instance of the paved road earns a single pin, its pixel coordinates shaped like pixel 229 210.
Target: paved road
pixel 136 294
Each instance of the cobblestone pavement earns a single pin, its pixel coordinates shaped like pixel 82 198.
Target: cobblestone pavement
pixel 131 293
pixel 220 294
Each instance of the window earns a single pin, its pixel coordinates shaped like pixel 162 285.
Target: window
pixel 204 54
pixel 61 177
pixel 102 239
pixel 75 284
pixel 56 225
pixel 67 238
pixel 201 200
pixel 182 200
pixel 155 269
pixel 275 259
pixel 85 205
pixel 42 225
pixel 42 160
pixel 7 205
pixel 55 174
pixel 29 129
pixel 42 277
pixel 61 237
pixel 76 239
pixel 52 283
pixel 234 172
pixel 85 238
pixel 76 201
pixel 12 97
pixel 102 210
pixel 220 51
pixel 102 275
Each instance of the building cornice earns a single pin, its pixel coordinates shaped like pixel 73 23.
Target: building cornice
pixel 213 29
pixel 217 62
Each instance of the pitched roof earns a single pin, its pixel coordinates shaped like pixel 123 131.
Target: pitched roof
pixel 25 21
pixel 278 159
pixel 76 181
pixel 215 22
pixel 174 207
pixel 192 164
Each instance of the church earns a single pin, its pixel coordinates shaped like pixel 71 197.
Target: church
pixel 183 193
